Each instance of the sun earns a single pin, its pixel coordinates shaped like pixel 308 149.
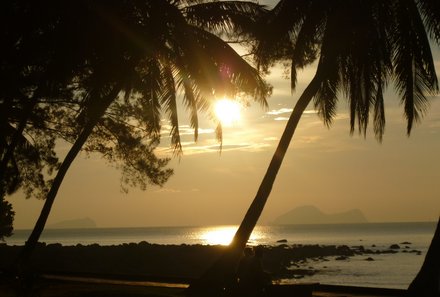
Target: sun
pixel 227 111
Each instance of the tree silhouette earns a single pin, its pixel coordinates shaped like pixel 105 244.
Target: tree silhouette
pixel 360 47
pixel 128 63
pixel 6 219
pixel 427 281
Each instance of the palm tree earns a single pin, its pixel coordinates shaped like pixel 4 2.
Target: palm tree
pixel 360 47
pixel 138 56
pixel 426 283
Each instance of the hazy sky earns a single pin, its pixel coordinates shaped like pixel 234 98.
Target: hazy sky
pixel 397 180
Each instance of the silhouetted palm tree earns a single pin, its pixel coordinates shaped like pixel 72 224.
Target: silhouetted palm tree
pixel 427 281
pixel 360 47
pixel 138 57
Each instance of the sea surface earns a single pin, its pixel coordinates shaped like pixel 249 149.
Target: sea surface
pixel 387 270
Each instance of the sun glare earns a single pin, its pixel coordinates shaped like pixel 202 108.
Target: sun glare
pixel 219 235
pixel 227 111
pixel 223 235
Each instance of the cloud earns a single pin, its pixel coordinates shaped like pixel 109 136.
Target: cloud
pixel 310 111
pixel 282 111
pixel 195 149
pixel 185 130
pixel 279 111
pixel 309 139
pixel 168 190
pixel 176 191
pixel 272 138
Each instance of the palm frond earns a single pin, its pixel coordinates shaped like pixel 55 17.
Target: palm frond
pixel 233 71
pixel 305 48
pixel 379 114
pixel 222 17
pixel 414 66
pixel 277 30
pixel 190 98
pixel 430 10
pixel 151 86
pixel 219 135
pixel 169 101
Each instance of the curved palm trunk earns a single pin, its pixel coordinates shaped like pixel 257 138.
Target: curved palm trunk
pixel 25 254
pixel 427 281
pixel 222 273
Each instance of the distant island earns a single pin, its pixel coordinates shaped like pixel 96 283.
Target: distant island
pixel 312 215
pixel 71 224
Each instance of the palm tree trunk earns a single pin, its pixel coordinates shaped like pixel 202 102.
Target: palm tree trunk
pixel 223 272
pixel 427 281
pixel 25 254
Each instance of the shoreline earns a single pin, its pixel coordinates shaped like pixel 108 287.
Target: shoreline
pixel 282 261
pixel 76 286
pixel 223 225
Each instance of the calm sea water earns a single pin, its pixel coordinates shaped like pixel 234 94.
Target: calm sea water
pixel 388 270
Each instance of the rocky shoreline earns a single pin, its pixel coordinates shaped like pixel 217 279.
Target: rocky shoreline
pixel 283 261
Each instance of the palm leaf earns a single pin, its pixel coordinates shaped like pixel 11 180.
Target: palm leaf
pixel 190 101
pixel 414 67
pixel 430 10
pixel 168 100
pixel 221 17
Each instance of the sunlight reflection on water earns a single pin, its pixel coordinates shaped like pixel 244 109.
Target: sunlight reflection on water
pixel 223 235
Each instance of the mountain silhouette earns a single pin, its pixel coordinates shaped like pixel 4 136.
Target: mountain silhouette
pixel 312 215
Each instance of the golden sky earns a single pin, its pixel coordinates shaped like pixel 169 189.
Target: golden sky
pixel 397 180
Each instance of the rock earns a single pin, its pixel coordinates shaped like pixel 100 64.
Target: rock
pixel 369 259
pixel 303 272
pixel 282 241
pixel 344 250
pixel 405 242
pixel 394 247
pixel 341 258
pixel 359 247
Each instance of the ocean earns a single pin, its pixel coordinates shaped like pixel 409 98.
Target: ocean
pixel 387 270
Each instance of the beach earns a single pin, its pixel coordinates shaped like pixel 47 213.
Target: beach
pixel 353 255
pixel 86 268
pixel 185 262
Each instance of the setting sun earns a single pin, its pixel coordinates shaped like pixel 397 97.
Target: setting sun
pixel 227 111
